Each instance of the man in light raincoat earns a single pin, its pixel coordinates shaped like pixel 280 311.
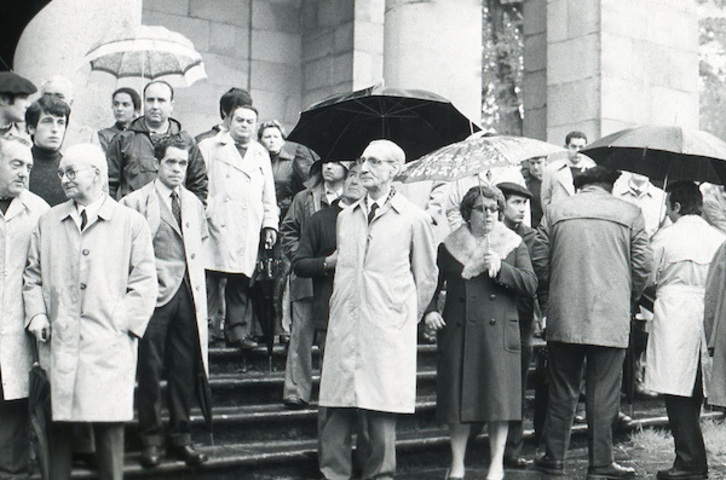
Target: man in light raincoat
pixel 90 288
pixel 677 351
pixel 385 275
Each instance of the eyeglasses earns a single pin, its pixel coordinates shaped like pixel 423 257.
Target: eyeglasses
pixel 375 162
pixel 482 209
pixel 71 173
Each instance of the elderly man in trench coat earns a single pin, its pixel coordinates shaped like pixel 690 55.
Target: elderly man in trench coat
pixel 385 275
pixel 593 259
pixel 90 288
pixel 20 213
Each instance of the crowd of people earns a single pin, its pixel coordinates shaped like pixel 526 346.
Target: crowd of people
pixel 125 257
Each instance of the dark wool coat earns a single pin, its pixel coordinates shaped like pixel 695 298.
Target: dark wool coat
pixel 478 373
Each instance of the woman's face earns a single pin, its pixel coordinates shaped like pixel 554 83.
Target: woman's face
pixel 272 139
pixel 484 214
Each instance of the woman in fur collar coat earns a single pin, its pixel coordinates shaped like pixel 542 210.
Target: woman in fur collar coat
pixel 484 267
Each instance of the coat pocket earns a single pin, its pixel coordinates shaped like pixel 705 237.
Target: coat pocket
pixel 512 342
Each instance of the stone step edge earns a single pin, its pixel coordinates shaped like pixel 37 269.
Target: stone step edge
pixel 306 450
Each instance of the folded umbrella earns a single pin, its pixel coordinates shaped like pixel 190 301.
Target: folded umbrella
pixel 40 415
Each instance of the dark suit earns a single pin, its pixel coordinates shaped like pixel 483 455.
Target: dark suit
pixel 176 338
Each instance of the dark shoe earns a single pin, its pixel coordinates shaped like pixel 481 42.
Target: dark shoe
pixel 189 455
pixel 150 456
pixel 624 422
pixel 645 393
pixel 295 403
pixel 549 465
pixel 678 474
pixel 247 344
pixel 612 471
pixel 517 462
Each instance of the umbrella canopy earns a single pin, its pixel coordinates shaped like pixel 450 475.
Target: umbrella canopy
pixel 340 127
pixel 663 153
pixel 478 153
pixel 151 52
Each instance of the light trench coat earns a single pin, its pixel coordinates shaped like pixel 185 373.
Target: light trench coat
pixel 170 272
pixel 384 279
pixel 98 288
pixel 682 254
pixel 16 227
pixel 241 202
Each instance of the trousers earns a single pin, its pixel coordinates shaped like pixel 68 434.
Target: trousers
pixel 109 445
pixel 603 379
pixel 299 365
pixel 684 419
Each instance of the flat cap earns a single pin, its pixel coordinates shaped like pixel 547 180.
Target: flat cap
pixel 510 188
pixel 14 84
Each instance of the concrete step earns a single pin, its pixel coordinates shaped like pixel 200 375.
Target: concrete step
pixel 297 459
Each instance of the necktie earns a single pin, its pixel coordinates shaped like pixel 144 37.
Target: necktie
pixel 372 212
pixel 84 219
pixel 175 207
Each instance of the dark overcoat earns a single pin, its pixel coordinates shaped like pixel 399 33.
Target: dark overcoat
pixel 478 373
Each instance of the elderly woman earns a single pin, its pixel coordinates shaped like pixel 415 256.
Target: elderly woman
pixel 485 267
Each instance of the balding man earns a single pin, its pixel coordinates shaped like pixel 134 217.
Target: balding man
pixel 90 288
pixel 384 279
pixel 19 213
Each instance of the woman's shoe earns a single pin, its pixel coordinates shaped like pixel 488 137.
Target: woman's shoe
pixel 448 477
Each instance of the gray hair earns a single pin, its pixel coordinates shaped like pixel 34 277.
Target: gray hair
pixel 92 155
pixel 395 152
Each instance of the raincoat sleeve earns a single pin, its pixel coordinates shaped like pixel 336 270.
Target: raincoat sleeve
pixel 541 261
pixel 290 227
pixel 115 160
pixel 305 263
pixel 440 284
pixel 271 213
pixel 641 257
pixel 520 276
pixel 32 282
pixel 141 289
pixel 423 262
pixel 197 181
pixel 715 289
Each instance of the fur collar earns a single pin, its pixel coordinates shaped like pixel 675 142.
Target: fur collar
pixel 469 250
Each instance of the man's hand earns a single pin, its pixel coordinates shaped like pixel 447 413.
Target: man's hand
pixel 331 260
pixel 270 237
pixel 434 321
pixel 40 327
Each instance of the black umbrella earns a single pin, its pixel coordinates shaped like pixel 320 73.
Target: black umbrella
pixel 40 416
pixel 340 127
pixel 264 293
pixel 204 397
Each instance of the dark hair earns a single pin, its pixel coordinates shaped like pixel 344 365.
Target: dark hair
pixel 575 134
pixel 163 144
pixel 688 195
pixel 470 198
pixel 48 104
pixel 245 106
pixel 271 124
pixel 598 175
pixel 160 82
pixel 135 98
pixel 232 99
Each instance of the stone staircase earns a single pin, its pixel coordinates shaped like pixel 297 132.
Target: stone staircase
pixel 256 437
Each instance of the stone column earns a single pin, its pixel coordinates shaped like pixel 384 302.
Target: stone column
pixel 610 64
pixel 435 45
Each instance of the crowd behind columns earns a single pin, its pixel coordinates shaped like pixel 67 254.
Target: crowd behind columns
pixel 129 255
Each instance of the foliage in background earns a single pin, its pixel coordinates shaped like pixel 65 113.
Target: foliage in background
pixel 502 67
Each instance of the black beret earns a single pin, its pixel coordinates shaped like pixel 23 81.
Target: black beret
pixel 14 84
pixel 510 188
pixel 596 174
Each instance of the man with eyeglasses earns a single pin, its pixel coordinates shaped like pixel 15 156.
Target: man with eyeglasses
pixel 385 276
pixel 592 257
pixel 19 215
pixel 175 341
pixel 89 290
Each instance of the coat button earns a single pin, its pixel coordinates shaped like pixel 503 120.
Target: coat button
pixel 193 256
pixel 83 286
pixel 187 224
pixel 85 251
pixel 492 297
pixel 492 322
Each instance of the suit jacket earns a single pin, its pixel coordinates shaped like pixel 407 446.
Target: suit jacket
pixel 557 182
pixel 177 254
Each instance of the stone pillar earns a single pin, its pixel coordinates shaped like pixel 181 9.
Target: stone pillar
pixel 610 64
pixel 435 45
